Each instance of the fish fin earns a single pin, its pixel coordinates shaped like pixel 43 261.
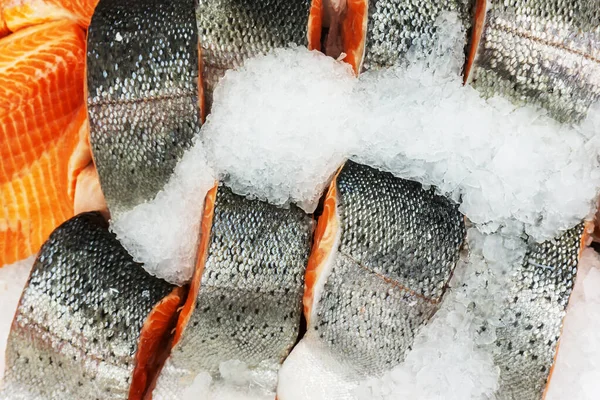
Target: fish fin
pixel 88 193
pixel 476 34
pixel 325 239
pixel 153 347
pixel 41 114
pixel 354 33
pixel 23 13
pixel 205 229
pixel 315 25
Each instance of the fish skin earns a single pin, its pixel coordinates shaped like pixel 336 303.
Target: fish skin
pixel 76 330
pixel 43 133
pixel 539 293
pixel 542 52
pixel 143 99
pixel 383 255
pixel 249 304
pixel 232 31
pixel 396 248
pixel 395 26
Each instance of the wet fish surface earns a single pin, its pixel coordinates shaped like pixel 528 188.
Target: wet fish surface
pixel 249 303
pixel 542 52
pixel 232 31
pixel 539 293
pixel 396 26
pixel 381 265
pixel 143 98
pixel 77 328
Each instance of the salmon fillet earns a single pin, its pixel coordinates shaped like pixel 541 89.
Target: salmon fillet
pixel 43 131
pixel 19 14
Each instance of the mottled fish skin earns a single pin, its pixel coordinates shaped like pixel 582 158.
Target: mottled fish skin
pixel 539 293
pixel 398 247
pixel 232 31
pixel 143 102
pixel 544 52
pixel 76 330
pixel 394 26
pixel 250 301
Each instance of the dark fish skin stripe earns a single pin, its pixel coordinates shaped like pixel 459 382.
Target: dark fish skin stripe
pixel 250 301
pixel 399 245
pixel 539 294
pixel 142 76
pixel 77 326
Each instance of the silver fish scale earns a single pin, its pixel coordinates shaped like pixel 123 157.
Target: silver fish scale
pixel 399 245
pixel 394 26
pixel 232 31
pixel 250 299
pixel 539 294
pixel 76 330
pixel 142 94
pixel 542 52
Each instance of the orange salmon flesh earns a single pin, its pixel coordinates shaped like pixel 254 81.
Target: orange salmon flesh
pixel 43 131
pixel 19 14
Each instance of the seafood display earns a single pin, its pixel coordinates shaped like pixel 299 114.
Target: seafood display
pixel 330 298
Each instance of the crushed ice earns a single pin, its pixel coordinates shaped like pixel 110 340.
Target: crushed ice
pixel 163 233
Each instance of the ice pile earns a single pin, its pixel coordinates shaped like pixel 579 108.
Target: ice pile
pixel 578 362
pixel 451 358
pixel 282 123
pixel 163 233
pixel 281 126
pixel 13 278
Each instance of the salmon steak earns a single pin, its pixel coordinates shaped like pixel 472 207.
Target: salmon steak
pixel 101 100
pixel 384 251
pixel 143 108
pixel 245 302
pixel 82 330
